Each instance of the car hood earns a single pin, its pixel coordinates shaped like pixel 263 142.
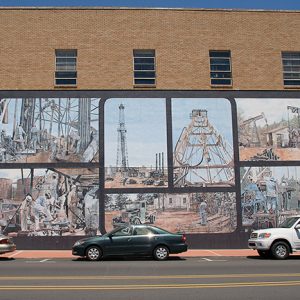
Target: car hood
pixel 272 230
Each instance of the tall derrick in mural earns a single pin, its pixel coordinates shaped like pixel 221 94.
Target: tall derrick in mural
pixel 201 155
pixel 122 152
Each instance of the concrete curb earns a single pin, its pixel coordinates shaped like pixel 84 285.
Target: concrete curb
pixel 50 254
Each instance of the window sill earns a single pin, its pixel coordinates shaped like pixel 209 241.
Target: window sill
pixel 144 86
pixel 228 86
pixel 62 86
pixel 291 86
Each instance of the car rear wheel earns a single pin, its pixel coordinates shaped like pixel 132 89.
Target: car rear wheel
pixel 161 253
pixel 280 250
pixel 93 253
pixel 264 253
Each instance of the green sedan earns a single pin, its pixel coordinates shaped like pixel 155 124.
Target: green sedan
pixel 136 240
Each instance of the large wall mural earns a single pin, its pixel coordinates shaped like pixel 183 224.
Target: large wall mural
pixel 75 166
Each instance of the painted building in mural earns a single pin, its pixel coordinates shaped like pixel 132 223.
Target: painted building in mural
pixel 94 135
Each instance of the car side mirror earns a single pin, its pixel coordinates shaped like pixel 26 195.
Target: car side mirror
pixel 297 226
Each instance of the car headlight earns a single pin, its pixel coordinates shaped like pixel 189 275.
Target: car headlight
pixel 78 243
pixel 264 235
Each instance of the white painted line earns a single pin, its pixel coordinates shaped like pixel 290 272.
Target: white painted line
pixel 207 259
pixel 44 260
pixel 213 252
pixel 16 253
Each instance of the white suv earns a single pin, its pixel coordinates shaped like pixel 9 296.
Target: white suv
pixel 277 242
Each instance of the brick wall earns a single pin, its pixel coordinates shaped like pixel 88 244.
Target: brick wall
pixel 182 39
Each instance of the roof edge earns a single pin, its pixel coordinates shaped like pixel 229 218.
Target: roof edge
pixel 142 8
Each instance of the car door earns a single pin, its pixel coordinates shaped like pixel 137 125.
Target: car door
pixel 143 240
pixel 118 243
pixel 296 235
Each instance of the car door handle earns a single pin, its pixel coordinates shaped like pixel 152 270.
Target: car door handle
pixel 129 239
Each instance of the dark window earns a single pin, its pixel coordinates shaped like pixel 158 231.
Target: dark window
pixel 220 68
pixel 291 68
pixel 144 67
pixel 65 67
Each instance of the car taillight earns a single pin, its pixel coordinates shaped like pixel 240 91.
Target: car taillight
pixel 4 241
pixel 183 238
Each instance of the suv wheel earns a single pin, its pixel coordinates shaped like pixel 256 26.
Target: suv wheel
pixel 161 253
pixel 280 250
pixel 93 253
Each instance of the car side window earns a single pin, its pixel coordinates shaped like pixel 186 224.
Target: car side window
pixel 123 231
pixel 142 231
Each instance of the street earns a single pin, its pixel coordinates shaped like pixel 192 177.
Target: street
pixel 190 278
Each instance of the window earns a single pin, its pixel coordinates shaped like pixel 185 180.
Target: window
pixel 170 200
pixel 291 68
pixel 220 68
pixel 65 67
pixel 144 67
pixel 184 201
pixel 142 231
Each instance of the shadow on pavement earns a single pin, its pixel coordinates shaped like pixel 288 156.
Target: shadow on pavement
pixel 6 258
pixel 171 258
pixel 292 257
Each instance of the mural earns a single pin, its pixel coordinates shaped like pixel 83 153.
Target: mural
pixel 39 130
pixel 269 129
pixel 135 143
pixel 63 197
pixel 49 202
pixel 269 195
pixel 189 213
pixel 202 142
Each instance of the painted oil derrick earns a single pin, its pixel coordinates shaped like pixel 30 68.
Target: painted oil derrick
pixel 201 155
pixel 122 153
pixel 249 135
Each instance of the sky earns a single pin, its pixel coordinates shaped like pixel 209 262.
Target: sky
pixel 239 4
pixel 253 107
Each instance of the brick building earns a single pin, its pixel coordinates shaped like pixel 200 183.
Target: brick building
pixel 200 89
pixel 105 40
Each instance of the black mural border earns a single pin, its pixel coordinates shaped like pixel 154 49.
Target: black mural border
pixel 103 95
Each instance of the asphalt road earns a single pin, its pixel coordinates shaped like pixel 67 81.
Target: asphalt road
pixel 178 278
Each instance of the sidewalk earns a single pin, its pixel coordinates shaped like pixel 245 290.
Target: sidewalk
pixel 50 254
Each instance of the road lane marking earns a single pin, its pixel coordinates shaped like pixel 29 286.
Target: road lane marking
pixel 14 254
pixel 153 286
pixel 213 260
pixel 199 276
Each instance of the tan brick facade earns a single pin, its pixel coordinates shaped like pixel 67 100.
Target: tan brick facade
pixel 105 39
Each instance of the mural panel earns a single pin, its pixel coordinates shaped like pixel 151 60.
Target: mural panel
pixel 269 129
pixel 189 213
pixel 202 142
pixel 269 195
pixel 49 202
pixel 49 130
pixel 135 143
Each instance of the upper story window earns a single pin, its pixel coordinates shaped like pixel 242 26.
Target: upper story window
pixel 220 68
pixel 66 67
pixel 144 67
pixel 291 68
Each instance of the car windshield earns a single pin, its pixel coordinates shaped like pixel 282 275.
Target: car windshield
pixel 289 222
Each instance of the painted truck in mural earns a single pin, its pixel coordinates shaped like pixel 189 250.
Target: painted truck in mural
pixel 135 213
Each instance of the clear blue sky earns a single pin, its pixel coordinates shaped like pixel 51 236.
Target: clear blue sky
pixel 242 4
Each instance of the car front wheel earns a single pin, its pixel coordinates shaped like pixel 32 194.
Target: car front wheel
pixel 280 250
pixel 93 253
pixel 161 253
